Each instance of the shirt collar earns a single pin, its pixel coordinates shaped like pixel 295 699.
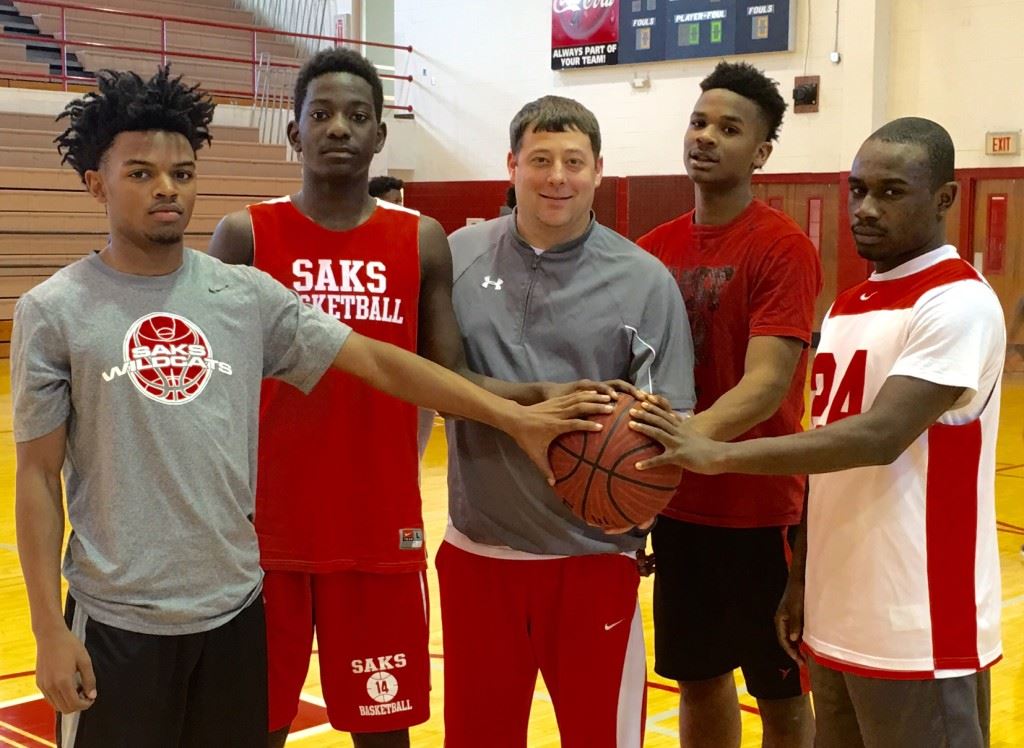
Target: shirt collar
pixel 916 265
pixel 563 249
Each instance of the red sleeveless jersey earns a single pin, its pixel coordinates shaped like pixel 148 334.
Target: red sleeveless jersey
pixel 338 484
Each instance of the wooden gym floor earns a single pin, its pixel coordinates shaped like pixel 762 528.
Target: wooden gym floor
pixel 25 720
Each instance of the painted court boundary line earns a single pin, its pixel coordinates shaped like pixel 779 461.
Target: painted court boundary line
pixel 36 740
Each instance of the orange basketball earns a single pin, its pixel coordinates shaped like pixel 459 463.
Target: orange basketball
pixel 596 476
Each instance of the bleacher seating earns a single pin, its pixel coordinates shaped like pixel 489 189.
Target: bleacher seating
pixel 12 57
pixel 147 33
pixel 47 220
pixel 220 11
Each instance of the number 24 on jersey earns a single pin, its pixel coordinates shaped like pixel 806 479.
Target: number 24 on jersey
pixel 839 400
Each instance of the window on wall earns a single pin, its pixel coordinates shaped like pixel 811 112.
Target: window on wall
pixel 814 221
pixel 995 238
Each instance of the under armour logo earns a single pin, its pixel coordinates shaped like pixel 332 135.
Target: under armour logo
pixel 495 284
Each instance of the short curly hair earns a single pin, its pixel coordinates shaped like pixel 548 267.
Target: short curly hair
pixel 744 79
pixel 127 103
pixel 339 60
pixel 929 135
pixel 379 185
pixel 554 114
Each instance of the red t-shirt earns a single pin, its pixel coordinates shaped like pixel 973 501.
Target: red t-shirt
pixel 338 484
pixel 758 275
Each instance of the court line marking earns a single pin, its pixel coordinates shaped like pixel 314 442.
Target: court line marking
pixel 314 700
pixel 662 716
pixel 658 729
pixel 8 741
pixel 1012 526
pixel 30 736
pixel 309 732
pixel 1013 601
pixel 8 547
pixel 20 700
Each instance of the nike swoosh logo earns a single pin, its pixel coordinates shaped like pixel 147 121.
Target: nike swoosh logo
pixel 216 289
pixel 866 296
pixel 610 626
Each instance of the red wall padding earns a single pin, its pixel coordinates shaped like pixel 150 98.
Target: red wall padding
pixel 630 205
pixel 451 203
pixel 654 200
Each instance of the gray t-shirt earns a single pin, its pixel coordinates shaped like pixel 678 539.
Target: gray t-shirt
pixel 158 382
pixel 599 308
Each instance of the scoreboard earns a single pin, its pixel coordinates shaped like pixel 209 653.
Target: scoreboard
pixel 595 33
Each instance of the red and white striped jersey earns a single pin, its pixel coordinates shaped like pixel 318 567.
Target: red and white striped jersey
pixel 902 560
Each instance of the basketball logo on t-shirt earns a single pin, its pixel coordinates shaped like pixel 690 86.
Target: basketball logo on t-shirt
pixel 167 358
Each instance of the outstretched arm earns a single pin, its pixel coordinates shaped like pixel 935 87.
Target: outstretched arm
pixel 767 375
pixel 903 409
pixel 401 374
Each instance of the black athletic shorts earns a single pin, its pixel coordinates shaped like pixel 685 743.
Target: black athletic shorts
pixel 190 691
pixel 716 590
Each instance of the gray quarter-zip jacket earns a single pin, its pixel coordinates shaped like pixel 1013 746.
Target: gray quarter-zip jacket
pixel 598 307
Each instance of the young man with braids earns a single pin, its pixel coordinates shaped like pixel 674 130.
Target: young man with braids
pixel 138 369
pixel 749 277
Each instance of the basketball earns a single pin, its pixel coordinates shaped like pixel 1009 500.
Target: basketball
pixel 596 477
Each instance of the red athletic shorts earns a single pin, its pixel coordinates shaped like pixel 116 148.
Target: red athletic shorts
pixel 576 620
pixel 372 632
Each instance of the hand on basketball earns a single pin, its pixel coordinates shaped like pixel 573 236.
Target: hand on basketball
pixel 535 426
pixel 683 445
pixel 611 387
pixel 789 620
pixel 64 672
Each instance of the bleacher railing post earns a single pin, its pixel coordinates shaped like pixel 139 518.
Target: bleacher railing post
pixel 255 81
pixel 163 41
pixel 64 47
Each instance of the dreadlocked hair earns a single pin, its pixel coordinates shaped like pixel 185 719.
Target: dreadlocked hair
pixel 126 103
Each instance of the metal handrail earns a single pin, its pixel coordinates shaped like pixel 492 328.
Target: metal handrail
pixel 216 24
pixel 253 61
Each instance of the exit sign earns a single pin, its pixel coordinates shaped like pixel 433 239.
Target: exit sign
pixel 1002 143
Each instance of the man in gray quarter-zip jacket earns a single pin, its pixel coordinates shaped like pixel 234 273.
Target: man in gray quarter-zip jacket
pixel 548 294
